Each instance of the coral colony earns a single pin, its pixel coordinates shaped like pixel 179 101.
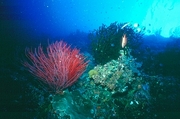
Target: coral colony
pixel 59 68
pixel 113 88
pixel 107 41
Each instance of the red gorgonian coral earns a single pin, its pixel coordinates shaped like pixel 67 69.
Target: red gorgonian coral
pixel 59 67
